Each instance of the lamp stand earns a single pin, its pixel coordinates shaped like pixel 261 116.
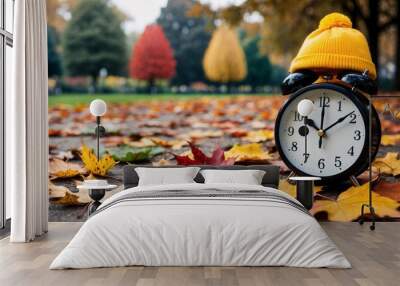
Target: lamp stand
pixel 98 136
pixel 369 204
pixel 100 131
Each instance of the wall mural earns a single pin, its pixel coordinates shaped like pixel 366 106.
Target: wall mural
pixel 154 132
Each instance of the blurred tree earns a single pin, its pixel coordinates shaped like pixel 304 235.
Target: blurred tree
pixel 54 61
pixel 152 57
pixel 259 68
pixel 188 37
pixel 57 12
pixel 224 60
pixel 94 40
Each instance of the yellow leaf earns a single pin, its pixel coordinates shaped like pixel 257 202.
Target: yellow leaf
pixel 389 165
pixel 174 144
pixel 247 152
pixel 348 205
pixel 259 136
pixel 96 167
pixel 290 189
pixel 388 140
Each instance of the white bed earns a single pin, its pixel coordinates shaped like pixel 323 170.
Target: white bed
pixel 248 226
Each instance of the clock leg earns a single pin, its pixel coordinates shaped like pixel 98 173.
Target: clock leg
pixel 305 194
pixel 354 180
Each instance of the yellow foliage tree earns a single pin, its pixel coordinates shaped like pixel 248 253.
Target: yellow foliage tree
pixel 224 60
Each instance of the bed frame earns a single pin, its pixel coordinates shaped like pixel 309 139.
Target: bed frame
pixel 270 179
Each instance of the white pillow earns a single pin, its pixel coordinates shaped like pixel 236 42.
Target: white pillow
pixel 248 177
pixel 166 176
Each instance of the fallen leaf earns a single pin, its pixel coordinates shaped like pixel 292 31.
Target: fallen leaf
pixel 287 187
pixel 94 166
pixel 248 152
pixel 173 144
pixel 259 136
pixel 114 141
pixel 144 142
pixel 199 134
pixel 130 154
pixel 70 199
pixel 61 169
pixel 63 155
pixel 389 165
pixel 390 140
pixel 163 162
pixel 390 190
pixel 348 205
pixel 56 192
pixel 199 158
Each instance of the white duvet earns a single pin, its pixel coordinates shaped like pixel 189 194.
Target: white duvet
pixel 200 231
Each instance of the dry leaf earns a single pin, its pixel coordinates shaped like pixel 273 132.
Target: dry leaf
pixel 390 190
pixel 389 165
pixel 259 136
pixel 144 142
pixel 248 152
pixel 199 134
pixel 287 187
pixel 61 169
pixel 197 157
pixel 56 192
pixel 348 205
pixel 173 144
pixel 389 140
pixel 94 166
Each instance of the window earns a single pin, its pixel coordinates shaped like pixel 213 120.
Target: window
pixel 6 43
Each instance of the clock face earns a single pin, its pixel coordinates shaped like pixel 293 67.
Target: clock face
pixel 333 139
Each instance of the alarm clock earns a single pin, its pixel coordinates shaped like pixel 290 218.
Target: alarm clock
pixel 332 142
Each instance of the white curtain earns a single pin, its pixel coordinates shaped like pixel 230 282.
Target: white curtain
pixel 26 124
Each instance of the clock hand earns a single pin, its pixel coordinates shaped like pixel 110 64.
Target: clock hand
pixel 306 121
pixel 311 123
pixel 338 121
pixel 322 125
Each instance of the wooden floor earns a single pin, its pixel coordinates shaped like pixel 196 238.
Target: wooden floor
pixel 375 257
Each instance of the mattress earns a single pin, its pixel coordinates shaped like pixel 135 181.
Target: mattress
pixel 201 225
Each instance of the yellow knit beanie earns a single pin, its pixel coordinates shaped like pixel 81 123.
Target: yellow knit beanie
pixel 335 45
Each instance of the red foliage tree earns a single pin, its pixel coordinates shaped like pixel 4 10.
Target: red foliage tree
pixel 152 56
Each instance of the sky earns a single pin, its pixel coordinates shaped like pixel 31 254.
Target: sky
pixel 144 12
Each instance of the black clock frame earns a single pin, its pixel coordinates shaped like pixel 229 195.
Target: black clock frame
pixel 362 104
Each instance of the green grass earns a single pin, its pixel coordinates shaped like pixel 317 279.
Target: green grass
pixel 77 99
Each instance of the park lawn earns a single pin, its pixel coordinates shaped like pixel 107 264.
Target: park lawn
pixel 78 99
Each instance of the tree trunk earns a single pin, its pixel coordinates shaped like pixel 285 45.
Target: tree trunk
pixel 151 85
pixel 372 24
pixel 397 59
pixel 94 83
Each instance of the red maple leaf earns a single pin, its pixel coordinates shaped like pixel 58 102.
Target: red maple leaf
pixel 199 158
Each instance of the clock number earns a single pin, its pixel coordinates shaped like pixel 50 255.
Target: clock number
pixel 297 116
pixel 321 163
pixel 338 162
pixel 291 131
pixel 357 135
pixel 324 101
pixel 306 156
pixel 339 105
pixel 294 146
pixel 353 117
pixel 351 151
